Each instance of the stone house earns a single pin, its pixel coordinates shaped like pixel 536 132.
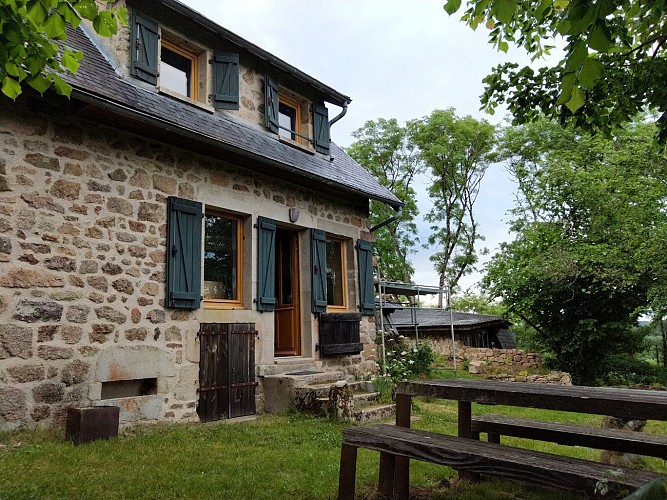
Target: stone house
pixel 177 231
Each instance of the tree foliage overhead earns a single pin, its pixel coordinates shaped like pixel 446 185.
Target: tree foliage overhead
pixel 615 62
pixel 590 221
pixel 30 34
pixel 385 149
pixel 457 152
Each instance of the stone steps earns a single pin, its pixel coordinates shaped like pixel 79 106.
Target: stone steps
pixel 322 392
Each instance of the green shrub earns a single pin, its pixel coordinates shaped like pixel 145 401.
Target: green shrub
pixel 404 361
pixel 627 371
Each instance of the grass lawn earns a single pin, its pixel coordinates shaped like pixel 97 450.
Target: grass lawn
pixel 286 456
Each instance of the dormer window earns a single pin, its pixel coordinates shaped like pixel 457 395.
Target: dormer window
pixel 289 125
pixel 293 117
pixel 178 69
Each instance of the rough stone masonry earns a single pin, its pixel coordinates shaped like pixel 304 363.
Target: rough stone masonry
pixel 82 263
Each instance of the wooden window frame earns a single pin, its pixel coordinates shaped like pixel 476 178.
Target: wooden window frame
pixel 194 66
pixel 342 242
pixel 297 119
pixel 226 303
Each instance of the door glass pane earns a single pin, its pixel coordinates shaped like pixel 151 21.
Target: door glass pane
pixel 284 272
pixel 221 258
pixel 335 273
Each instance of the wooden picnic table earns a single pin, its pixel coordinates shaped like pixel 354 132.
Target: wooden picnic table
pixel 622 403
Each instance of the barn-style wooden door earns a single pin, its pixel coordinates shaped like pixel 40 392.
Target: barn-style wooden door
pixel 226 370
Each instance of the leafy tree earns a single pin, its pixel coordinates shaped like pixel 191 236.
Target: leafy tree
pixel 457 151
pixel 384 148
pixel 588 221
pixel 31 32
pixel 477 303
pixel 614 66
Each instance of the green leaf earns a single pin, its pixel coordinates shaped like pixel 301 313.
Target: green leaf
pixel 577 100
pixel 599 38
pixel 105 24
pixel 504 10
pixel 566 85
pixel 61 86
pixel 576 57
pixel 39 83
pixel 591 71
pixel 86 9
pixel 37 13
pixel 70 60
pixel 54 27
pixel 504 46
pixel 13 70
pixel 69 14
pixel 10 87
pixel 452 6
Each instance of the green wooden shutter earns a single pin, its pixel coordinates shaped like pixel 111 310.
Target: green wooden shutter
pixel 271 104
pixel 318 267
pixel 226 80
pixel 266 262
pixel 321 129
pixel 143 47
pixel 366 285
pixel 184 252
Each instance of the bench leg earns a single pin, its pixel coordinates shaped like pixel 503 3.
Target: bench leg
pixel 348 472
pixel 492 437
pixel 465 430
pixel 402 464
pixel 387 469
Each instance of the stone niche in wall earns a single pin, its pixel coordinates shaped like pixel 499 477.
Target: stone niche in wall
pixel 134 379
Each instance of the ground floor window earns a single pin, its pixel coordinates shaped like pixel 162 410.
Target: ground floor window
pixel 336 272
pixel 223 239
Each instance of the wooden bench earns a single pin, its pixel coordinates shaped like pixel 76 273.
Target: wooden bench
pixel 638 443
pixel 471 456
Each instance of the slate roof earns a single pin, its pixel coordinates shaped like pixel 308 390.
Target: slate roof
pixel 440 318
pixel 96 82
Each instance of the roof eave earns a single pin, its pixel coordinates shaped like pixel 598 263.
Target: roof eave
pixel 122 110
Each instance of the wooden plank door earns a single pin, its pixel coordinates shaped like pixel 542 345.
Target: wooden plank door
pixel 242 370
pixel 226 370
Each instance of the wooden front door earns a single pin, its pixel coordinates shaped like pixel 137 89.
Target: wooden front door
pixel 287 312
pixel 226 370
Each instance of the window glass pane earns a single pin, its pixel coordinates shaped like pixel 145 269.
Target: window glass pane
pixel 220 258
pixel 335 273
pixel 287 119
pixel 175 72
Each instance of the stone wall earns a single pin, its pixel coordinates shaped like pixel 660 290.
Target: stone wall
pixel 518 359
pixel 82 263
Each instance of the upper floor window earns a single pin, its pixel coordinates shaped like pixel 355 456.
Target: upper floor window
pixel 178 69
pixel 289 113
pixel 293 117
pixel 223 239
pixel 183 67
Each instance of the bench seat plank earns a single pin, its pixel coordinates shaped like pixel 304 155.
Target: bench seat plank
pixel 573 435
pixel 535 468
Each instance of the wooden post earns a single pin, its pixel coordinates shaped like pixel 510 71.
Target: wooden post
pixel 402 470
pixel 387 471
pixel 465 431
pixel 348 472
pixel 465 417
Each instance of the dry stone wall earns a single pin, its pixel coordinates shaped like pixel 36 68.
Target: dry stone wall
pixel 82 263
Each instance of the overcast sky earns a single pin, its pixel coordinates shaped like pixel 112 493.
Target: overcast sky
pixel 396 59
